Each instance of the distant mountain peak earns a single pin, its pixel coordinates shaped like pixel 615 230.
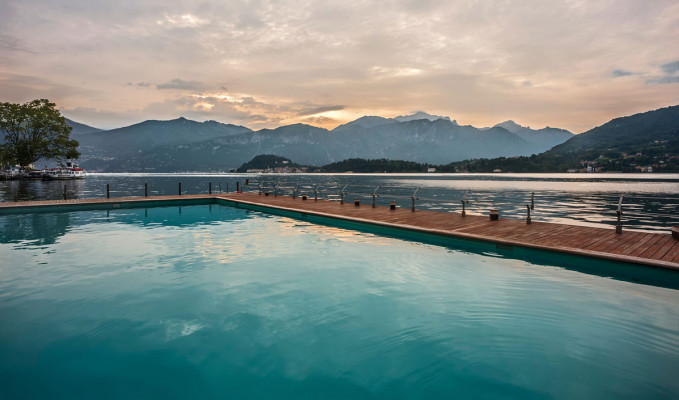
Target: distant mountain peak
pixel 366 121
pixel 511 126
pixel 423 115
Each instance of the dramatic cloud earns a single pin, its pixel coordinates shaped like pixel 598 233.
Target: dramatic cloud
pixel 313 110
pixel 538 61
pixel 618 73
pixel 671 74
pixel 181 84
pixel 671 68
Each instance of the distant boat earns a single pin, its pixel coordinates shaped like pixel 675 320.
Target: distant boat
pixel 70 171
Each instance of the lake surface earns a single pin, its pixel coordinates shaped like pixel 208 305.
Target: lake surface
pixel 182 302
pixel 650 202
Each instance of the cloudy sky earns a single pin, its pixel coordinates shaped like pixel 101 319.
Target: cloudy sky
pixel 569 64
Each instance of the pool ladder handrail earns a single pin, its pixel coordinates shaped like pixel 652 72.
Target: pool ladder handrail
pixel 375 194
pixel 342 193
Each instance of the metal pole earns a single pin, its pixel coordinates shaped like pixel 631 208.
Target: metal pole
pixel 375 195
pixel 528 221
pixel 618 227
pixel 210 188
pixel 464 203
pixel 146 190
pixel 64 192
pixel 180 188
pixel 413 198
pixel 227 187
pixel 316 193
pixel 532 201
pixel 342 194
pixel 108 191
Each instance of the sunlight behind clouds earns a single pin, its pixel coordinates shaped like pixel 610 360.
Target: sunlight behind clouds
pixel 572 64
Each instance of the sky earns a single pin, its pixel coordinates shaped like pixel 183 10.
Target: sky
pixel 568 64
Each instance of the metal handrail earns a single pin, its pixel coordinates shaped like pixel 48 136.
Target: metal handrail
pixel 391 193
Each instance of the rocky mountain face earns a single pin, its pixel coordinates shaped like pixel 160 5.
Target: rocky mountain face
pixel 545 137
pixel 184 145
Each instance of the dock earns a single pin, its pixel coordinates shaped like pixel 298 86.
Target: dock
pixel 644 248
pixel 654 249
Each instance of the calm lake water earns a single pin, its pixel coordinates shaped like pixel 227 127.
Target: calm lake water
pixel 650 202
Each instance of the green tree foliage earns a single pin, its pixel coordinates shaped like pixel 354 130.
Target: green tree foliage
pixel 368 166
pixel 265 161
pixel 35 130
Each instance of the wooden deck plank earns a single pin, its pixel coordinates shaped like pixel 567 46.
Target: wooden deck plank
pixel 640 243
pixel 671 252
pixel 619 241
pixel 648 245
pixel 639 247
pixel 657 251
pixel 630 239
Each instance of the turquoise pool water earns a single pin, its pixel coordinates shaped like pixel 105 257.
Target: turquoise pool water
pixel 219 302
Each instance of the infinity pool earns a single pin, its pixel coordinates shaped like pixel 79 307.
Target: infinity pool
pixel 220 302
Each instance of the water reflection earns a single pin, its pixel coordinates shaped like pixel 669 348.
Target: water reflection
pixel 34 229
pixel 38 229
pixel 29 190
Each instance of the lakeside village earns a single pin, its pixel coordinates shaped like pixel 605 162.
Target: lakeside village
pixel 637 162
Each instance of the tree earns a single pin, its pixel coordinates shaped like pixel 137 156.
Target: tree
pixel 35 130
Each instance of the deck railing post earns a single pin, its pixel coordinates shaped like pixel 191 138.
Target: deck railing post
pixel 146 190
pixel 413 198
pixel 275 191
pixel 342 194
pixel 108 191
pixel 209 191
pixel 316 193
pixel 237 186
pixel 528 221
pixel 464 203
pixel 618 227
pixel 375 195
pixel 259 189
pixel 180 188
pixel 64 192
pixel 532 201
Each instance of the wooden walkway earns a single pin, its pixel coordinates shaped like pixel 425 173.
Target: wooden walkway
pixel 654 249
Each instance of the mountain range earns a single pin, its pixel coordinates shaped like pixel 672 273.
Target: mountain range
pixel 185 145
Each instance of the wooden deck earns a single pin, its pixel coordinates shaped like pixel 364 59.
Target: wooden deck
pixel 653 249
pixel 659 250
